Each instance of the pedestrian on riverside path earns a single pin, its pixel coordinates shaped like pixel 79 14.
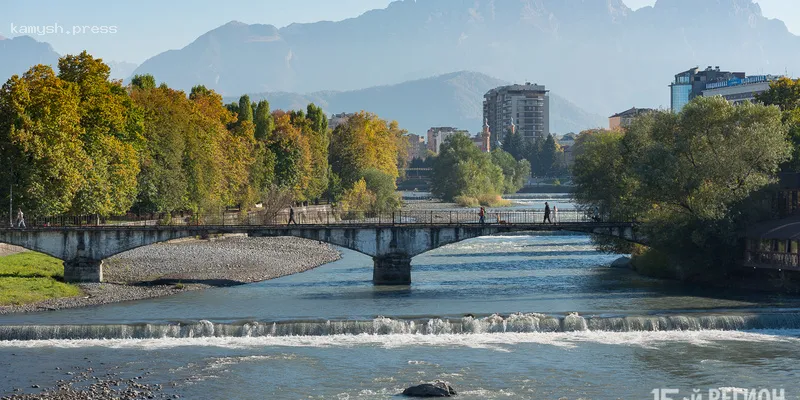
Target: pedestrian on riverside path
pixel 547 213
pixel 291 216
pixel 20 219
pixel 555 214
pixel 482 214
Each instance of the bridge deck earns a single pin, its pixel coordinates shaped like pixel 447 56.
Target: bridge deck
pixel 316 219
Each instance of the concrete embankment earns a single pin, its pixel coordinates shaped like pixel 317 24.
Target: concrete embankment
pixel 170 268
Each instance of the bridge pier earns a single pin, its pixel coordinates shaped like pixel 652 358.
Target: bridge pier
pixel 392 269
pixel 83 270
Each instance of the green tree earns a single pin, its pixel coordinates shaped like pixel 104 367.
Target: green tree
pixel 383 189
pixel 112 131
pixel 199 91
pixel 785 93
pixel 689 176
pixel 40 135
pixel 315 127
pixel 357 199
pixel 364 141
pixel 549 157
pixel 292 155
pixel 245 109
pixel 162 180
pixel 265 125
pixel 533 153
pixel 514 144
pixel 146 81
pixel 461 169
pixel 515 173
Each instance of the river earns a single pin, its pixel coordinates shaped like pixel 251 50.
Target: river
pixel 504 317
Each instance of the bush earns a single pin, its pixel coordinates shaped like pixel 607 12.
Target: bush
pixel 466 201
pixel 357 200
pixel 653 264
pixel 383 188
pixel 486 200
pixel 493 200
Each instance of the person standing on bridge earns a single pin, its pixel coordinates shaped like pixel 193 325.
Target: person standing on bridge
pixel 291 216
pixel 555 214
pixel 20 219
pixel 482 215
pixel 546 213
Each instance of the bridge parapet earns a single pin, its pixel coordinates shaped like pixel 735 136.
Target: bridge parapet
pixel 391 239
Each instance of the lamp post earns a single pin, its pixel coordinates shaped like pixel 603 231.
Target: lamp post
pixel 11 196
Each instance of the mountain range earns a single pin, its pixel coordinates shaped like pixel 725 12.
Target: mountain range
pixel 600 54
pixel 22 52
pixel 454 99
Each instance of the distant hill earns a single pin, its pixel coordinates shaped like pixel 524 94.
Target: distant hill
pixel 602 55
pixel 19 54
pixel 454 99
pixel 121 69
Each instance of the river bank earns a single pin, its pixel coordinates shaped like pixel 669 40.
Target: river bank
pixel 169 268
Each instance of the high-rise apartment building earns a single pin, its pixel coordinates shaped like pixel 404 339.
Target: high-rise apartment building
pixel 526 106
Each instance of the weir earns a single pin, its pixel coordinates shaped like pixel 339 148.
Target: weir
pixel 514 323
pixel 391 242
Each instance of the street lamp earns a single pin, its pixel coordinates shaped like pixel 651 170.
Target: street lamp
pixel 11 196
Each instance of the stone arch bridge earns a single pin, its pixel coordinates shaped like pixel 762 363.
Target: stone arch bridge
pixel 391 244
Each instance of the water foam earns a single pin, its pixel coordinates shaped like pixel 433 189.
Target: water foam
pixel 382 326
pixel 491 341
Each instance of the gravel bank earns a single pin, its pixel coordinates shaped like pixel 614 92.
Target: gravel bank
pixel 418 205
pixel 87 385
pixel 169 268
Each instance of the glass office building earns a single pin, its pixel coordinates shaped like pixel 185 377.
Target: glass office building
pixel 681 94
pixel 690 84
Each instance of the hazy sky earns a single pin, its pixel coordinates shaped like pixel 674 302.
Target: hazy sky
pixel 144 28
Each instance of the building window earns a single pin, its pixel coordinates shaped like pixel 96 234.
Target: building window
pixel 680 97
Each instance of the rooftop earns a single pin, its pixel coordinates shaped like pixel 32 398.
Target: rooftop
pixel 632 112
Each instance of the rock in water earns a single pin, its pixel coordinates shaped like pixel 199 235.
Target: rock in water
pixel 622 262
pixel 436 389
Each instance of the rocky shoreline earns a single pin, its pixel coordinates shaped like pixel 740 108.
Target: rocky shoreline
pixel 169 268
pixel 87 384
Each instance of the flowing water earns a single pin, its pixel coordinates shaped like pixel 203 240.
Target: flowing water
pixel 511 317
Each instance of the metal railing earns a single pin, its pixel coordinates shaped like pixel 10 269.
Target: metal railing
pixel 772 259
pixel 303 216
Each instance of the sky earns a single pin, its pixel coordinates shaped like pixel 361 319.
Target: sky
pixel 135 30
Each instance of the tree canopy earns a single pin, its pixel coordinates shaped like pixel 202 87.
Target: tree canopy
pixel 77 142
pixel 687 175
pixel 461 169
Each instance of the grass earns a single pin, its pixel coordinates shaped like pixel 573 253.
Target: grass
pixel 30 277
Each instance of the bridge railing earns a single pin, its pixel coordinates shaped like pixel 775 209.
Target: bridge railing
pixel 772 259
pixel 304 216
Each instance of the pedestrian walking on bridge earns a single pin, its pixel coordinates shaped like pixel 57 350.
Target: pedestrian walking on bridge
pixel 546 213
pixel 291 216
pixel 20 219
pixel 482 215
